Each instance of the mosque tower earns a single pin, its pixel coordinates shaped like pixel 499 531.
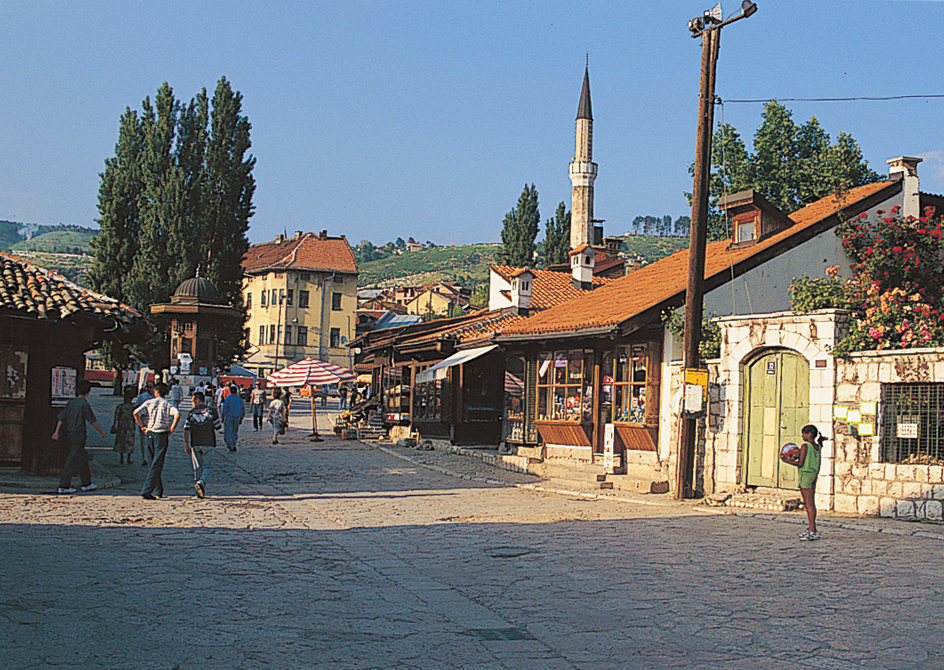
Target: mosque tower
pixel 583 172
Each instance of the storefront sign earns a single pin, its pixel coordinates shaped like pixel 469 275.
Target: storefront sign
pixel 609 444
pixel 63 385
pixel 696 392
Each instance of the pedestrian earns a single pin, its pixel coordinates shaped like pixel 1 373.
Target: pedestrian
pixel 808 462
pixel 277 415
pixel 257 400
pixel 159 419
pixel 287 399
pixel 143 397
pixel 124 427
pixel 342 396
pixel 324 395
pixel 73 418
pixel 221 392
pixel 232 412
pixel 355 396
pixel 176 393
pixel 200 439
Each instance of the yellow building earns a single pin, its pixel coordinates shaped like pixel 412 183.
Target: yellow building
pixel 301 296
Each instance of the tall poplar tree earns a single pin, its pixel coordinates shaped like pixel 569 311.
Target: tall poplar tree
pixel 557 237
pixel 175 199
pixel 520 229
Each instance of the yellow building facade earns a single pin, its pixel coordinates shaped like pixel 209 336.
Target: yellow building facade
pixel 301 297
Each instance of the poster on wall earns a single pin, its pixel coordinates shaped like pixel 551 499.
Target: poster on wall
pixel 63 385
pixel 13 379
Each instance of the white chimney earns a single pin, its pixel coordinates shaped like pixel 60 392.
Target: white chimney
pixel 907 167
pixel 582 260
pixel 522 282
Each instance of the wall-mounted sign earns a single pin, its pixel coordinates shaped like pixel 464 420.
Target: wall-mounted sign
pixel 63 385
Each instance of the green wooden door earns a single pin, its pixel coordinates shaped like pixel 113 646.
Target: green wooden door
pixel 777 408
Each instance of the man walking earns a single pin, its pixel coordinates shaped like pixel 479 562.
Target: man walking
pixel 258 401
pixel 76 413
pixel 232 412
pixel 200 439
pixel 158 418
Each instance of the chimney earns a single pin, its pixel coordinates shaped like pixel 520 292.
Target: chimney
pixel 323 235
pixel 906 169
pixel 612 245
pixel 582 260
pixel 522 282
pixel 298 234
pixel 279 239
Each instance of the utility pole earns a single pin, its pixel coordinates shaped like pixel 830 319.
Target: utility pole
pixel 708 27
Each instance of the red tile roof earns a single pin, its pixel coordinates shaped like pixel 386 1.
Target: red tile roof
pixel 549 288
pixel 656 284
pixel 307 252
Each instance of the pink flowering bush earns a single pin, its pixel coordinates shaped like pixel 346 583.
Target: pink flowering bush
pixel 896 292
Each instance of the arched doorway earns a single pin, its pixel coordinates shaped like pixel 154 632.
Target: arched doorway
pixel 776 406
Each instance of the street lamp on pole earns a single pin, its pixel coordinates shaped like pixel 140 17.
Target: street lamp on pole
pixel 708 27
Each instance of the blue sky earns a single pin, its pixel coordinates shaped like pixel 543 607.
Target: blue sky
pixel 379 120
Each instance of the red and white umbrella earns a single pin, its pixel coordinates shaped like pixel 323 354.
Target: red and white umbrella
pixel 310 372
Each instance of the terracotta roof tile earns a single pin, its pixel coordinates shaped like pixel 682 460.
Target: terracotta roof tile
pixel 308 252
pixel 36 292
pixel 657 283
pixel 549 288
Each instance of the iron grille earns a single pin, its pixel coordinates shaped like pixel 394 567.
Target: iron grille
pixel 913 423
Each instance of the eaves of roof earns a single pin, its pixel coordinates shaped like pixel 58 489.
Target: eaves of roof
pixel 630 301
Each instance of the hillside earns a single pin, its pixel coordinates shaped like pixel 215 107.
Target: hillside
pixel 469 264
pixel 57 242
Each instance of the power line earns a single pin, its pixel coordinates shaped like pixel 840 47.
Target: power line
pixel 890 97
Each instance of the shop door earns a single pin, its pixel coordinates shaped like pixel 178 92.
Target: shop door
pixel 777 402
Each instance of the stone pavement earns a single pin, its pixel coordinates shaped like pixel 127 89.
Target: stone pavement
pixel 340 554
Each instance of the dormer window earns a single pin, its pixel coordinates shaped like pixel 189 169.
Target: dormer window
pixel 745 229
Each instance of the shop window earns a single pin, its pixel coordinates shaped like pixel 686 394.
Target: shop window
pixel 514 424
pixel 912 424
pixel 565 386
pixel 623 388
pixel 427 400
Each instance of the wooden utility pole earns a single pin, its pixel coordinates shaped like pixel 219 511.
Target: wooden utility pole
pixel 709 28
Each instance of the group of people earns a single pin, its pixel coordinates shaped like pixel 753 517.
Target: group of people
pixel 154 416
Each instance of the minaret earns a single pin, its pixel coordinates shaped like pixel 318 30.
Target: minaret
pixel 583 171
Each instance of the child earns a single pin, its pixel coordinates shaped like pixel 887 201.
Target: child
pixel 808 463
pixel 199 440
pixel 73 419
pixel 124 427
pixel 277 411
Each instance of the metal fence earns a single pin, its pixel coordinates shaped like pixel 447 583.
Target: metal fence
pixel 912 423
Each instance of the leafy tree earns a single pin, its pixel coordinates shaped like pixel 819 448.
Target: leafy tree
pixel 399 244
pixel 683 226
pixel 520 229
pixel 557 237
pixel 176 197
pixel 791 165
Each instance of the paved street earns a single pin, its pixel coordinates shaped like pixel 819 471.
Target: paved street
pixel 341 554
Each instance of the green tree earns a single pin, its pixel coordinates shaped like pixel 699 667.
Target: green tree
pixel 557 237
pixel 176 197
pixel 520 229
pixel 790 166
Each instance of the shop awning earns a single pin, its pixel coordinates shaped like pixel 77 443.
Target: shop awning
pixel 438 371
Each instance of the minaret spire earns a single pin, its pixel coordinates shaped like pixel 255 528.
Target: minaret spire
pixel 583 171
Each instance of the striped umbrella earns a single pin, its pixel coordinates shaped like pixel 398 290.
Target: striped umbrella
pixel 311 372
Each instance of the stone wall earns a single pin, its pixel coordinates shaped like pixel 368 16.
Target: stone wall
pixel 863 483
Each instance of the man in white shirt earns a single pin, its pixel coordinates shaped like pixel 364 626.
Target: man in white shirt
pixel 158 418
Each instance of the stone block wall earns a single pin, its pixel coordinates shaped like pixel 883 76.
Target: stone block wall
pixel 863 483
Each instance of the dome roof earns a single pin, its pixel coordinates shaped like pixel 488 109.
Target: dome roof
pixel 199 288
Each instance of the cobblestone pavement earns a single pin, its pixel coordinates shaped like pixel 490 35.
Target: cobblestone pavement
pixel 340 554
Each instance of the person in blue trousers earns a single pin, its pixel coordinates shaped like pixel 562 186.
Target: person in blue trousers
pixel 158 418
pixel 232 411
